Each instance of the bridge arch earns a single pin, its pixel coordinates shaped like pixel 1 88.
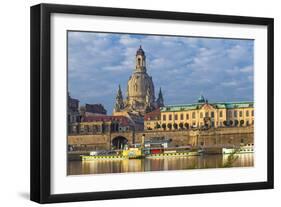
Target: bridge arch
pixel 119 142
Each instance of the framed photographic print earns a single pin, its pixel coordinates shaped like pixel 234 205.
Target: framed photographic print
pixel 132 103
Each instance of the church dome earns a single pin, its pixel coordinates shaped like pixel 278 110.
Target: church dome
pixel 138 85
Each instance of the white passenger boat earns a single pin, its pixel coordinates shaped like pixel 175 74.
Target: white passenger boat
pixel 249 148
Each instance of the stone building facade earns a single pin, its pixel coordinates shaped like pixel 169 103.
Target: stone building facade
pixel 103 124
pixel 204 115
pixel 73 115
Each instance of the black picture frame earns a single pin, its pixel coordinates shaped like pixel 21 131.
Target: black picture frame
pixel 41 98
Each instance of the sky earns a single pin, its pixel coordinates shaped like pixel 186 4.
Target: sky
pixel 184 67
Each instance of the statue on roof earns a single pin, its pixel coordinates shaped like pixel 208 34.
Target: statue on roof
pixel 201 99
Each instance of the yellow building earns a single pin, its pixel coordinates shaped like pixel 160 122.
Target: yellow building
pixel 206 115
pixel 152 120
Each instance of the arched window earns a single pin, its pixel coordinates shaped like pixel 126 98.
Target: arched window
pixel 181 116
pixel 170 117
pixel 193 115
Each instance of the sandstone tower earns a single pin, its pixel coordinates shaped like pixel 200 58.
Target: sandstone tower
pixel 140 90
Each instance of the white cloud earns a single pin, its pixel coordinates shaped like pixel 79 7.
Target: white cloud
pixel 189 65
pixel 230 83
pixel 247 69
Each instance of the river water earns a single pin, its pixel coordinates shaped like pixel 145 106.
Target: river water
pixel 158 164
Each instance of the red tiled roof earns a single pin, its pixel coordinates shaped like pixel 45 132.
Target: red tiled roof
pixel 152 115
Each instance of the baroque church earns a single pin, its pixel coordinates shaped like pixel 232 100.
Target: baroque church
pixel 140 97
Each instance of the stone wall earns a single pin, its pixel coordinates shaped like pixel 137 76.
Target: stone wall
pixel 206 138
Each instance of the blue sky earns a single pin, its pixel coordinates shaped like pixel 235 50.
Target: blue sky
pixel 184 67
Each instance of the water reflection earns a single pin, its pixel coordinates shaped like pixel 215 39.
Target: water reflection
pixel 157 164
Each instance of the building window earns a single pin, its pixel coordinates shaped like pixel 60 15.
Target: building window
pixel 181 116
pixel 193 115
pixel 164 117
pixel 86 128
pixel 220 113
pixel 212 114
pixel 170 117
pixel 240 113
pixel 235 113
pixel 176 117
pixel 252 112
pixel 206 114
pixel 230 113
pixel 201 115
pixel 247 113
pixel 187 116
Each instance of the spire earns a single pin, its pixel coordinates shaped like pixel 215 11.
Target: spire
pixel 160 95
pixel 119 92
pixel 119 104
pixel 160 99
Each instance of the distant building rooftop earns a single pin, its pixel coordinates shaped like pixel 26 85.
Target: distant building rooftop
pixel 95 108
pixel 73 104
pixel 219 105
pixel 154 115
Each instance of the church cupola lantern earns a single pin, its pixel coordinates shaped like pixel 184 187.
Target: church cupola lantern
pixel 140 60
